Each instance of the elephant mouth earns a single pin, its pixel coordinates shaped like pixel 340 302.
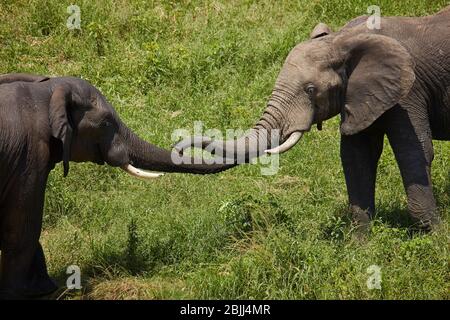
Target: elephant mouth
pixel 291 141
pixel 127 167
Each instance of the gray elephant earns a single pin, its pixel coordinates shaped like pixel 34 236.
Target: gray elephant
pixel 44 121
pixel 392 81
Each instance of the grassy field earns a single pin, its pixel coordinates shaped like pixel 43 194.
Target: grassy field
pixel 238 234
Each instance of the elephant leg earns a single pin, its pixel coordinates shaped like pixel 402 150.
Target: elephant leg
pixel 411 140
pixel 359 155
pixel 17 257
pixel 39 282
pixel 22 267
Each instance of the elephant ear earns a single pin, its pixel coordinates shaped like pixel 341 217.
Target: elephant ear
pixel 380 73
pixel 61 129
pixel 320 30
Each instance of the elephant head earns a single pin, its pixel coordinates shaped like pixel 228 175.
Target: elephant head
pixel 85 127
pixel 354 73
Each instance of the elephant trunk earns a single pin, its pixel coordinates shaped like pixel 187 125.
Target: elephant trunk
pixel 145 156
pixel 265 137
pixel 241 150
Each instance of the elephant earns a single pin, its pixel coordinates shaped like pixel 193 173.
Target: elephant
pixel 393 81
pixel 44 121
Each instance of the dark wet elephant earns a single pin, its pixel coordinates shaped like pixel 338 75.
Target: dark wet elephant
pixel 44 121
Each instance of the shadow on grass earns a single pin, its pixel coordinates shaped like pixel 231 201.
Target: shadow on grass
pixel 104 266
pixel 132 260
pixel 339 224
pixel 395 217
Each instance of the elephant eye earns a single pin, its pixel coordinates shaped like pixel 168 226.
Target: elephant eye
pixel 106 120
pixel 310 90
pixel 106 124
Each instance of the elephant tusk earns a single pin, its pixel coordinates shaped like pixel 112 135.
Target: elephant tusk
pixel 289 143
pixel 135 172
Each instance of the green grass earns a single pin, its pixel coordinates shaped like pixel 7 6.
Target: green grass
pixel 238 234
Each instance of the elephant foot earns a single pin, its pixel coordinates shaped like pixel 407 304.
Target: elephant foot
pixel 422 208
pixel 9 295
pixel 37 290
pixel 40 287
pixel 426 223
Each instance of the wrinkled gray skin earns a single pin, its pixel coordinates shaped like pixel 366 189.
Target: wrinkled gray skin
pixel 44 121
pixel 394 81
